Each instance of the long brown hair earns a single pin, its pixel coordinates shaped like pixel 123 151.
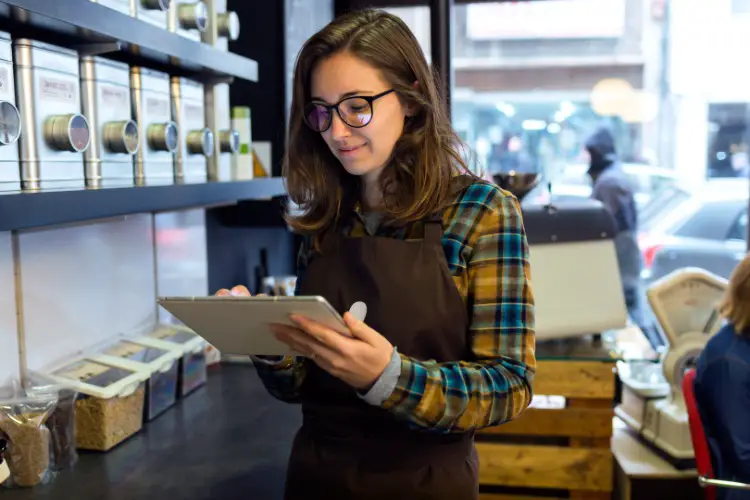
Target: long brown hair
pixel 417 178
pixel 735 306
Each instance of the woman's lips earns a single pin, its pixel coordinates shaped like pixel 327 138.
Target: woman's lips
pixel 349 150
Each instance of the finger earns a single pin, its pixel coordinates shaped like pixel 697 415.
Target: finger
pixel 301 342
pixel 240 291
pixel 293 337
pixel 320 333
pixel 223 292
pixel 360 330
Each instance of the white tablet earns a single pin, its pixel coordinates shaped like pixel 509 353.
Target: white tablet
pixel 240 325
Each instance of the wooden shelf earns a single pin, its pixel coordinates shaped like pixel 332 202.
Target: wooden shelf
pixel 92 28
pixel 30 210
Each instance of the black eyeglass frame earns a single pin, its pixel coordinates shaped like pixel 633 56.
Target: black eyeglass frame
pixel 335 107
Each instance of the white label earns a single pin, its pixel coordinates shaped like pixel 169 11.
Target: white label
pixel 156 106
pixel 193 112
pixel 5 87
pixel 114 96
pixel 57 90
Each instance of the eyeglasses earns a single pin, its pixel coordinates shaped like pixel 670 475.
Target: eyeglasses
pixel 355 111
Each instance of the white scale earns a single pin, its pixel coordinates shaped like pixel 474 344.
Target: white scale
pixel 685 304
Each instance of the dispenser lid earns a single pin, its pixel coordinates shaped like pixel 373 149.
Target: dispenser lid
pixel 132 354
pixel 99 379
pixel 685 302
pixel 179 336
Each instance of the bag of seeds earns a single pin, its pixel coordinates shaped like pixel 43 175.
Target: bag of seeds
pixel 61 422
pixel 22 425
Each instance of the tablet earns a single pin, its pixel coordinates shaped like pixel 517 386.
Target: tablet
pixel 240 325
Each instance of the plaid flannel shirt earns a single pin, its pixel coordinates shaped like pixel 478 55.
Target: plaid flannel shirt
pixel 487 252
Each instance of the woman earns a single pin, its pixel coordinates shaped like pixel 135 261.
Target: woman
pixel 440 260
pixel 722 386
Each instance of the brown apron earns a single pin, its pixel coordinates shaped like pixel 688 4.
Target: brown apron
pixel 347 448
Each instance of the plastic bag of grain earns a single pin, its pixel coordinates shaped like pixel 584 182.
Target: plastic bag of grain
pixel 61 422
pixel 22 425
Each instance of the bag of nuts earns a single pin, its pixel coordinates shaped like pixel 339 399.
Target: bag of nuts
pixel 22 425
pixel 61 422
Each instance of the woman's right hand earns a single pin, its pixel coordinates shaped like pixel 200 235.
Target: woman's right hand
pixel 242 291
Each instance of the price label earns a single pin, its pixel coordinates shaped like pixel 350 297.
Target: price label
pixel 53 89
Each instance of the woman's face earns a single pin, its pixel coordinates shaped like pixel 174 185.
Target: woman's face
pixel 362 151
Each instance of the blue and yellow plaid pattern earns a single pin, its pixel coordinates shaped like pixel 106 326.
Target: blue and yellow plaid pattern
pixel 488 255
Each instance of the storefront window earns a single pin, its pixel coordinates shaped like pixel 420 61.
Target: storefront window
pixel 533 80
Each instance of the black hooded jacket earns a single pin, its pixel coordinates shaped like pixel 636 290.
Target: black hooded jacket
pixel 615 190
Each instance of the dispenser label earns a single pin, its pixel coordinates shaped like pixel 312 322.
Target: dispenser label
pixel 194 113
pixel 5 87
pixel 114 96
pixel 157 106
pixel 57 90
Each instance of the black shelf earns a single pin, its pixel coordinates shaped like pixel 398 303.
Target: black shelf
pixel 94 28
pixel 25 210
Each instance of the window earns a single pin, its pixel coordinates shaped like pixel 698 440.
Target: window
pixel 533 80
pixel 712 221
pixel 741 6
pixel 739 229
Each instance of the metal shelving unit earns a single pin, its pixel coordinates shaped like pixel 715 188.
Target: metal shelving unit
pixel 91 29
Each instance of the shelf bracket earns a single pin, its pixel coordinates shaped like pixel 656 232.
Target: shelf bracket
pixel 219 79
pixel 97 49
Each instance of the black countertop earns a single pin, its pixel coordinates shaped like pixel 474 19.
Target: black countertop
pixel 228 440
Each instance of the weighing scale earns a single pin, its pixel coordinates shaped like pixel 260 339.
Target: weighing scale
pixel 685 305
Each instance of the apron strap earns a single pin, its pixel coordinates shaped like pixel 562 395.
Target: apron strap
pixel 433 229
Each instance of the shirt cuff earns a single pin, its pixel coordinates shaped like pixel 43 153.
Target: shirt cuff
pixel 386 384
pixel 269 362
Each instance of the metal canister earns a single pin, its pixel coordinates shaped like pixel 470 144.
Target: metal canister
pixel 55 133
pixel 196 140
pixel 105 87
pixel 157 132
pixel 188 18
pixel 154 12
pixel 10 120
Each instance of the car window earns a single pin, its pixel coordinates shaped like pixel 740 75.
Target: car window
pixel 739 228
pixel 663 202
pixel 711 221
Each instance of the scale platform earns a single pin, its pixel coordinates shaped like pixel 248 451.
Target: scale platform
pixel 685 305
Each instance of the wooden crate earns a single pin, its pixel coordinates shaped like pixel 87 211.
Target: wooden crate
pixel 562 451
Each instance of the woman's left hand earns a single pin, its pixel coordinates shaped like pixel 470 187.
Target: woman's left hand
pixel 358 360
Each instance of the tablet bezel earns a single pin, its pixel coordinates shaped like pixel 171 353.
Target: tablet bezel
pixel 238 325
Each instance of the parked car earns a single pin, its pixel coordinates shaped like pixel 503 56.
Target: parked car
pixel 706 228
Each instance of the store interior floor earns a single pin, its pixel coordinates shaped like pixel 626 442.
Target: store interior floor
pixel 228 440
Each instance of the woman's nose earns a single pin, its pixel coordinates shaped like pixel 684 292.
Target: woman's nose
pixel 339 129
